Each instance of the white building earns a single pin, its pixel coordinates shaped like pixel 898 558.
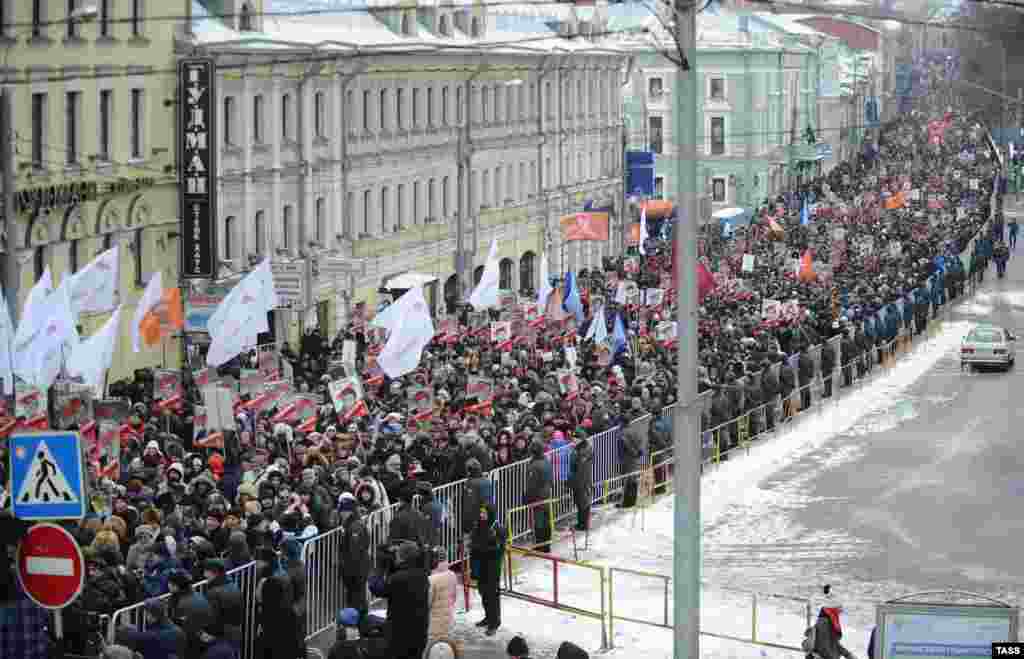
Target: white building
pixel 361 136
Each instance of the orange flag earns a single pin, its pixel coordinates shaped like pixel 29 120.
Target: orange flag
pixel 165 317
pixel 898 200
pixel 775 230
pixel 807 273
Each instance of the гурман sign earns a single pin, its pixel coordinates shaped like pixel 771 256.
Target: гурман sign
pixel 196 79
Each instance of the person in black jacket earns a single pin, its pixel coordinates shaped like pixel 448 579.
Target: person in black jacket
pixel 828 365
pixel 581 480
pixel 355 555
pixel 407 591
pixel 408 523
pixel 539 479
pixel 632 451
pixel 487 542
pixel 805 374
pixel 279 627
pixel 226 601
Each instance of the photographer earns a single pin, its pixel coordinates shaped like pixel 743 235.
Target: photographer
pixel 406 588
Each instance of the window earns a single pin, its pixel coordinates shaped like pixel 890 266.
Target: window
pixel 444 197
pixel 478 274
pixel 485 188
pixel 349 109
pixel 286 228
pixel 382 107
pixel 346 220
pixel 444 106
pixel 716 89
pixel 71 25
pixel 415 107
pixel 319 114
pixel 400 109
pixel 430 106
pixel 38 20
pixel 458 106
pixel 485 104
pixel 475 27
pixel 106 124
pixel 286 117
pixel 71 138
pixel 654 132
pixel 384 209
pixel 655 87
pixel 443 27
pixel 367 207
pixel 400 206
pixel 137 18
pixel 229 115
pixel 257 119
pixel 417 213
pixel 105 15
pixel 320 229
pixel 549 108
pixel 526 270
pixel 718 190
pixel 659 187
pixel 73 255
pixel 407 23
pixel 717 136
pixel 109 240
pixel 245 19
pixel 261 233
pixel 38 129
pixel 366 111
pixel 40 261
pixel 505 274
pixel 229 238
pixel 136 124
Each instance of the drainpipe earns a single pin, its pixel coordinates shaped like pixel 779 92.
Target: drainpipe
pixel 464 180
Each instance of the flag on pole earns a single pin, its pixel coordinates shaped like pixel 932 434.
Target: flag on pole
pixel 485 295
pixel 571 298
pixel 544 290
pixel 643 230
pixel 6 347
pixel 259 283
pixel 705 281
pixel 618 335
pixel 40 360
pixel 166 316
pixel 597 332
pixel 34 312
pixel 806 272
pixel 242 315
pixel 94 287
pixel 402 352
pixel 150 298
pixel 92 357
pixel 805 212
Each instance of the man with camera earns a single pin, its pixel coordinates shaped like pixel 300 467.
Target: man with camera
pixel 405 584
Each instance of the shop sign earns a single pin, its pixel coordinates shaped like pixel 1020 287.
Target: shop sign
pixel 196 79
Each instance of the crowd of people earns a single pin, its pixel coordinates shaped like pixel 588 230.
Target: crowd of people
pixel 870 247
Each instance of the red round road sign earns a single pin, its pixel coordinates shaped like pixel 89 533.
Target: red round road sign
pixel 50 566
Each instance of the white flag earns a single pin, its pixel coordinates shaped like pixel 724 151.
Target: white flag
pixel 34 312
pixel 91 358
pixel 241 316
pixel 643 231
pixel 40 361
pixel 94 287
pixel 6 346
pixel 597 332
pixel 149 300
pixel 544 290
pixel 402 352
pixel 485 295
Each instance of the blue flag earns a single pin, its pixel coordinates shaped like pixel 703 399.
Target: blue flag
pixel 571 298
pixel 805 214
pixel 618 336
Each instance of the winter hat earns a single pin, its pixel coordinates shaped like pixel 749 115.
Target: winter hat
pixel 153 445
pixel 348 618
pixel 517 647
pixel 347 502
pixel 176 466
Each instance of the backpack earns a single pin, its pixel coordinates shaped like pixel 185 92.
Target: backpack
pixel 810 640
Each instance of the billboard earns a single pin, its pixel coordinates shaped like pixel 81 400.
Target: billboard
pixel 912 631
pixel 196 78
pixel 640 173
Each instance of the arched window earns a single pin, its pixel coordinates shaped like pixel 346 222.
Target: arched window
pixel 478 274
pixel 475 27
pixel 261 233
pixel 407 23
pixel 229 238
pixel 505 274
pixel 451 293
pixel 245 19
pixel 526 265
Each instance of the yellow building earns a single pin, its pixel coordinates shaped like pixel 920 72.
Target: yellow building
pixel 92 96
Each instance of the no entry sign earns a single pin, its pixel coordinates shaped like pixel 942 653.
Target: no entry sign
pixel 50 566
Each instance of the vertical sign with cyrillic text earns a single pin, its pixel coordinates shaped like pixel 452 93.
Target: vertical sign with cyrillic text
pixel 196 78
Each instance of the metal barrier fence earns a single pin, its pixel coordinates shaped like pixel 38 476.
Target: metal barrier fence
pixel 244 577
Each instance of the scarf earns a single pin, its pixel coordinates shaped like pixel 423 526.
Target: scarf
pixel 833 616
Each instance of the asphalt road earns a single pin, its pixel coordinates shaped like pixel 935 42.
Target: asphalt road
pixel 920 495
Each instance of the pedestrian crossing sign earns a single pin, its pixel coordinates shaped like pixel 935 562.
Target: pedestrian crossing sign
pixel 47 476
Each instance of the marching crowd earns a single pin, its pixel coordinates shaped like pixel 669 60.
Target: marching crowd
pixel 873 246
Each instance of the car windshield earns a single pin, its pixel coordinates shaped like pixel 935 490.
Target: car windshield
pixel 986 335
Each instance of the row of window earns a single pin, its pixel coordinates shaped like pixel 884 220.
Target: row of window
pixel 403 109
pixel 78 256
pixel 716 88
pixel 656 130
pixel 717 189
pixel 76 133
pixel 47 13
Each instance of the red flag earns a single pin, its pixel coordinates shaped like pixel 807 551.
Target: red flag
pixel 423 416
pixel 167 403
pixel 215 440
pixel 375 381
pixel 359 409
pixel 483 408
pixel 307 426
pixel 705 281
pixel 505 346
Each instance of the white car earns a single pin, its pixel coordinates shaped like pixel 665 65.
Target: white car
pixel 988 345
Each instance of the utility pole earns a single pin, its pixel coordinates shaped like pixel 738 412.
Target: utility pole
pixel 686 562
pixel 10 268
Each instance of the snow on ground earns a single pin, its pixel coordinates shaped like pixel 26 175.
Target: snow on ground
pixel 643 541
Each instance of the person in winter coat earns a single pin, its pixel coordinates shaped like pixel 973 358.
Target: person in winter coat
pixel 226 600
pixel 295 571
pixel 827 633
pixel 443 588
pixel 478 490
pixel 279 636
pixel 161 638
pixel 162 563
pixel 355 555
pixel 581 480
pixel 539 479
pixel 632 451
pixel 408 523
pixel 238 551
pixel 487 544
pixel 408 616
